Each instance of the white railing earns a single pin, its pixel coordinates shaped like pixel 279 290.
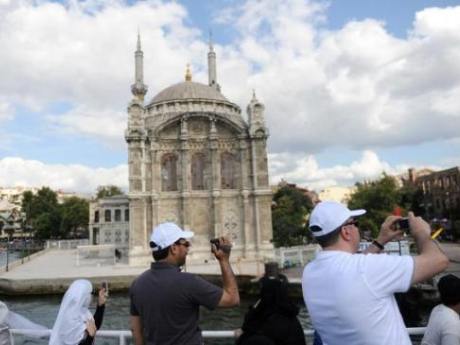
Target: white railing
pixel 124 335
pixel 65 244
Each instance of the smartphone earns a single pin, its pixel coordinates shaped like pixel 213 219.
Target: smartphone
pixel 105 285
pixel 402 224
pixel 216 242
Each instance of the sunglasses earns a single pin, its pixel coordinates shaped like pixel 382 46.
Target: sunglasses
pixel 352 222
pixel 186 244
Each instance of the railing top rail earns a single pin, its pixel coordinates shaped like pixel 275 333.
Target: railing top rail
pixel 206 334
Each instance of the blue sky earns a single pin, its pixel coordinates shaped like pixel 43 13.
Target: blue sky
pixel 351 88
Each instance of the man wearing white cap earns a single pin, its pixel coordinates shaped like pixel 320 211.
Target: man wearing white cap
pixel 349 296
pixel 165 301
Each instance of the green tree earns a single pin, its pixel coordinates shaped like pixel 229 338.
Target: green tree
pixel 74 217
pixel 412 199
pixel 289 213
pixel 106 191
pixel 379 198
pixel 42 212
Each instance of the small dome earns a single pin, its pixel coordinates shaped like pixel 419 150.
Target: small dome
pixel 188 90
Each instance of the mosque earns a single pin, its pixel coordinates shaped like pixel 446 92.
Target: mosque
pixel 194 160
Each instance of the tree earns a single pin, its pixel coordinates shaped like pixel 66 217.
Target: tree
pixel 74 217
pixel 107 191
pixel 412 199
pixel 379 198
pixel 289 213
pixel 42 212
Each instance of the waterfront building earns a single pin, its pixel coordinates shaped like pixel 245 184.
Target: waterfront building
pixel 441 191
pixel 14 194
pixel 337 193
pixel 194 160
pixel 109 222
pixel 11 220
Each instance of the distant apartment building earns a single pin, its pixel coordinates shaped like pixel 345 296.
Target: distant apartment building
pixel 109 222
pixel 11 221
pixel 336 193
pixel 14 194
pixel 441 191
pixel 312 195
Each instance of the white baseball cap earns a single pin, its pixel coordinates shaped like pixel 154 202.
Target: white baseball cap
pixel 329 215
pixel 166 234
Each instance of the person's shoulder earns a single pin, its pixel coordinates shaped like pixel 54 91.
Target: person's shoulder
pixel 140 278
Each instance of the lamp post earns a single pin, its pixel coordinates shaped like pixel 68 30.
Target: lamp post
pixel 9 229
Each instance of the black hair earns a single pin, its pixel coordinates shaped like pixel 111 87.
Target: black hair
pixel 328 239
pixel 449 290
pixel 157 253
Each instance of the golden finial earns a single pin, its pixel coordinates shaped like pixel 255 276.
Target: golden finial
pixel 188 74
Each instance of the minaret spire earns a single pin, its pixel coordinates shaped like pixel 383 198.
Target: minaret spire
pixel 212 65
pixel 139 89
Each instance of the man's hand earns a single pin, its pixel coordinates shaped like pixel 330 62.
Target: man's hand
pixel 101 298
pixel 387 231
pixel 223 252
pixel 418 227
pixel 91 327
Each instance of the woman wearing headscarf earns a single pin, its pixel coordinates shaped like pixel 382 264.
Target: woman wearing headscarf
pixel 74 324
pixel 273 318
pixel 9 320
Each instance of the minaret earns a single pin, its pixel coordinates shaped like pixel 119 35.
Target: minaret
pixel 139 89
pixel 212 65
pixel 256 117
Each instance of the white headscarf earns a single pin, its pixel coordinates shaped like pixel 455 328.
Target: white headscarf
pixel 12 320
pixel 69 327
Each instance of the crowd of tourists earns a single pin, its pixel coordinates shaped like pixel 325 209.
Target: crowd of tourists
pixel 349 295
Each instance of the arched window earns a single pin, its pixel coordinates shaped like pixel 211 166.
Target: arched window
pixel 169 172
pixel 108 215
pixel 228 171
pixel 118 215
pixel 198 171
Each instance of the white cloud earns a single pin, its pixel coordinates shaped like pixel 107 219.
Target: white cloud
pixel 305 170
pixel 292 167
pixel 357 87
pixel 6 111
pixel 107 126
pixel 16 171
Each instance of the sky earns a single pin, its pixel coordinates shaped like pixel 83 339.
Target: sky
pixel 351 88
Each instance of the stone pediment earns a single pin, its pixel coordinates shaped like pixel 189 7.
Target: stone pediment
pixel 156 124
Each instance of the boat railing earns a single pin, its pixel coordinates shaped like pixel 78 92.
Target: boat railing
pixel 124 335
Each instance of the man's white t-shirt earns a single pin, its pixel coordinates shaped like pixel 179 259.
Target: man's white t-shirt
pixel 350 297
pixel 443 327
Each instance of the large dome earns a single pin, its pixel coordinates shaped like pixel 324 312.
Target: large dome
pixel 188 90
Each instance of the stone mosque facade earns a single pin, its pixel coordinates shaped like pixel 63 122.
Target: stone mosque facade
pixel 194 160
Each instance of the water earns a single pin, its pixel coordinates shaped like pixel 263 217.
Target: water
pixel 13 256
pixel 43 310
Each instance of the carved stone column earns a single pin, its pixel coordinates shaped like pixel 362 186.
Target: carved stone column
pixel 245 210
pixel 215 176
pixel 255 198
pixel 185 173
pixel 156 178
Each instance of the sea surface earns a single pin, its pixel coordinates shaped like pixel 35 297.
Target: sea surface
pixel 43 310
pixel 13 256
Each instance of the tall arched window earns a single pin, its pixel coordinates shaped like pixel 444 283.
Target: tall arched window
pixel 108 215
pixel 198 171
pixel 228 171
pixel 169 172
